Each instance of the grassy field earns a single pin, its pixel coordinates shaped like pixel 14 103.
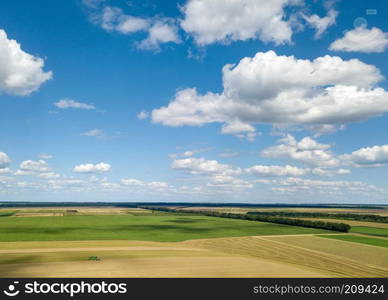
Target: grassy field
pixel 166 228
pixel 370 231
pixel 359 239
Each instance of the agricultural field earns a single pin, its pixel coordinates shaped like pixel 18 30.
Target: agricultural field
pixel 383 232
pixel 138 259
pixel 159 227
pixel 383 211
pixel 71 210
pixel 359 239
pixel 135 242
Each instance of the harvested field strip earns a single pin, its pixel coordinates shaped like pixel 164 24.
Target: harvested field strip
pixel 162 266
pixel 136 259
pixel 45 214
pixel 360 239
pixel 83 255
pixel 360 253
pixel 266 248
pixel 267 256
pixel 43 245
pixel 45 250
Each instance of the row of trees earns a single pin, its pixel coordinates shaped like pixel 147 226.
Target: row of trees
pixel 346 216
pixel 262 218
pixel 6 214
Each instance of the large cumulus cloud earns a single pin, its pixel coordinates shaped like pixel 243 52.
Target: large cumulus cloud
pixel 275 89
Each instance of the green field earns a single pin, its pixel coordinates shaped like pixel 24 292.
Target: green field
pixel 370 230
pixel 163 228
pixel 359 239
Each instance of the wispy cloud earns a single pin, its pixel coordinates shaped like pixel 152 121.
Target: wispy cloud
pixel 143 115
pixel 93 132
pixel 70 103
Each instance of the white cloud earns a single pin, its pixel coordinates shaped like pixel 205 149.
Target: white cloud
pixel 293 184
pixel 237 127
pixel 92 3
pixel 93 132
pixel 69 103
pixel 23 173
pixel 92 168
pixel 283 90
pixel 190 108
pixel 189 152
pixel 362 39
pixel 228 181
pixel 113 19
pixel 306 150
pixel 159 185
pixel 143 115
pixel 110 185
pixel 4 160
pixel 322 129
pixel 276 170
pixel 49 175
pixel 212 21
pixel 229 153
pixel 343 171
pixel 240 129
pixel 20 73
pixel 321 24
pixel 160 32
pixel 45 156
pixel 38 166
pixel 132 182
pixel 367 157
pixel 5 170
pixel 268 75
pixel 322 172
pixel 153 185
pixel 203 166
pixel 68 184
pixel 329 173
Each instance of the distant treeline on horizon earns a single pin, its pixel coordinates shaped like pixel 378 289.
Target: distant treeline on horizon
pixel 188 204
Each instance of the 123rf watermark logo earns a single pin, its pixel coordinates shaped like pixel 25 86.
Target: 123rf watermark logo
pixel 12 290
pixel 70 289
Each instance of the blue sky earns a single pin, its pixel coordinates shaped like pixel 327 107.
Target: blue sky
pixel 194 100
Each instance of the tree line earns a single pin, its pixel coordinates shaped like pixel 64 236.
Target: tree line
pixel 346 216
pixel 341 227
pixel 6 214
